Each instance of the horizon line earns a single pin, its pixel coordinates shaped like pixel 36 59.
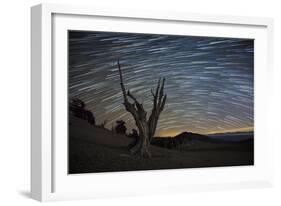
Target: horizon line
pixel 175 133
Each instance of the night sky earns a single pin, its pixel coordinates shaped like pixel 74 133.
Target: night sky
pixel 209 81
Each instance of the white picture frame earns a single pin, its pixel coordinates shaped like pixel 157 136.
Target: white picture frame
pixel 49 179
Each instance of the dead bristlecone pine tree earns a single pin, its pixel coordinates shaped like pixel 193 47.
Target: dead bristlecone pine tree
pixel 146 127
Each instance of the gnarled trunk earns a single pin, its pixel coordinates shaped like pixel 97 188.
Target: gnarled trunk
pixel 146 127
pixel 142 147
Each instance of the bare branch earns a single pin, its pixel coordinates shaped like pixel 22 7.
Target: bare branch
pixel 138 105
pixel 120 72
pixel 131 96
pixel 163 103
pixel 155 96
pixel 152 93
pixel 162 89
pixel 121 83
pixel 158 106
pixel 157 89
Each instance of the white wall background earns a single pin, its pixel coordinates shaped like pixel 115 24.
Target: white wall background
pixel 15 102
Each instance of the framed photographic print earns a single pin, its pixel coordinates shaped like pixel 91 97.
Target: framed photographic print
pixel 138 102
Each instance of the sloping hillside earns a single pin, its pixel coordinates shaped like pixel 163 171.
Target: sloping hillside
pixel 95 149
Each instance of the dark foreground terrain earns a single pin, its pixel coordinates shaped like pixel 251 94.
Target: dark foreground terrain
pixel 94 149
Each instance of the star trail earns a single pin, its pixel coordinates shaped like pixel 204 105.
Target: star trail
pixel 209 80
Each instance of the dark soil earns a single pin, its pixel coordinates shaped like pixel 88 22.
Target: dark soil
pixel 94 149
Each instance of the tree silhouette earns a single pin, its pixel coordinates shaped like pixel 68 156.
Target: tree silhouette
pixel 120 128
pixel 90 117
pixel 146 127
pixel 103 123
pixel 78 108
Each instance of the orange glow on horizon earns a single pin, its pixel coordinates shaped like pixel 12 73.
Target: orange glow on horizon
pixel 172 133
pixel 244 129
pixel 169 133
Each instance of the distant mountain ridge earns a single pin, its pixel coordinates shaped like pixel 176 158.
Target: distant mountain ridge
pixel 180 139
pixel 191 136
pixel 187 138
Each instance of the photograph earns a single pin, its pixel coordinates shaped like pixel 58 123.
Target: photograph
pixel 141 101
